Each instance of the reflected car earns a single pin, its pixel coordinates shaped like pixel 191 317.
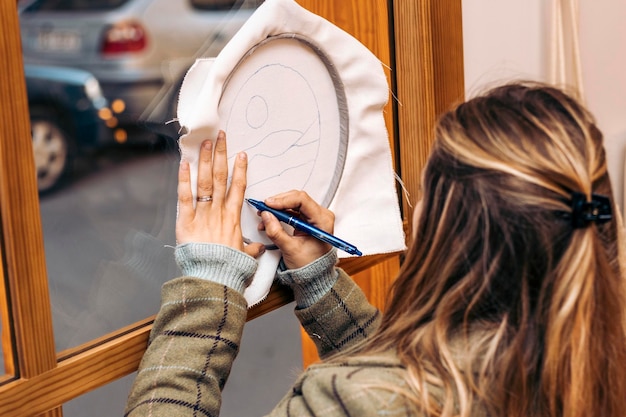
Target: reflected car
pixel 135 48
pixel 68 115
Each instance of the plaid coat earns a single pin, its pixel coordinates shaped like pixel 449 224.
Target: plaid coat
pixel 196 337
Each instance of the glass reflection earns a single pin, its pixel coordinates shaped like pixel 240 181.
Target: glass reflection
pixel 102 78
pixel 107 237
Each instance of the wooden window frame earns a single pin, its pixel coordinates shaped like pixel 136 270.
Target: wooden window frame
pixel 428 77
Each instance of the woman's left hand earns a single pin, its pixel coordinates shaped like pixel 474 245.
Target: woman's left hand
pixel 217 215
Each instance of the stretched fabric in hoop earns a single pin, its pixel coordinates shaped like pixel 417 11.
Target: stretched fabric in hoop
pixel 304 99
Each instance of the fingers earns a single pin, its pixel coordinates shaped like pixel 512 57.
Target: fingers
pixel 238 182
pixel 220 169
pixel 297 250
pixel 254 249
pixel 309 210
pixel 274 230
pixel 185 197
pixel 205 170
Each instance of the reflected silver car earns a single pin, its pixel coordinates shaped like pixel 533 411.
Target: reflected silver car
pixel 137 49
pixel 67 119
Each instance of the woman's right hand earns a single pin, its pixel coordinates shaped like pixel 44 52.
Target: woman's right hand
pixel 299 249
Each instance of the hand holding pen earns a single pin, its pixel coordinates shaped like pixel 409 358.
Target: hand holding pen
pixel 301 248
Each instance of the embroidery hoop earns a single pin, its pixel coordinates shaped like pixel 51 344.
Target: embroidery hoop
pixel 365 201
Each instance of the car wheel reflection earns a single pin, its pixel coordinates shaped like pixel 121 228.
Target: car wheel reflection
pixel 51 148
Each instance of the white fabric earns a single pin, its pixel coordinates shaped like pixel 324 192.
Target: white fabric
pixel 365 202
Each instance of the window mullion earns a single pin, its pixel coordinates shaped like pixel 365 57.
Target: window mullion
pixel 22 236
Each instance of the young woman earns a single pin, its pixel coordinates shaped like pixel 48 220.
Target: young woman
pixel 510 302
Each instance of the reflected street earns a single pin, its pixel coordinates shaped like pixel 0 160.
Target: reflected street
pixel 106 238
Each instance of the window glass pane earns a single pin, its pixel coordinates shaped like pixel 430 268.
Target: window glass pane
pixel 101 89
pixel 106 238
pixel 100 92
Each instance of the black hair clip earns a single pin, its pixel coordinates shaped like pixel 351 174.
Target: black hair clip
pixel 597 210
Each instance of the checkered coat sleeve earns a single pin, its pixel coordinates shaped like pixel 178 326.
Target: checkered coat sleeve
pixel 341 319
pixel 196 337
pixel 193 343
pixel 346 386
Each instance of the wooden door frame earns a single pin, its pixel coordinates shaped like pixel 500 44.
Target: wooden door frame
pixel 427 73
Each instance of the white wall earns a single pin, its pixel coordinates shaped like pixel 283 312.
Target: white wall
pixel 505 39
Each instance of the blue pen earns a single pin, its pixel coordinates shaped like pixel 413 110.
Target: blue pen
pixel 306 228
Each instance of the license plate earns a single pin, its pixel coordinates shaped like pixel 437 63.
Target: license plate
pixel 59 41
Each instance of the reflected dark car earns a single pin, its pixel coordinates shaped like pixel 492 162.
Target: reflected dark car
pixel 137 49
pixel 68 118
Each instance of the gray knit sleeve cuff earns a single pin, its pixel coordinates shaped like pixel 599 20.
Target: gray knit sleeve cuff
pixel 217 263
pixel 311 282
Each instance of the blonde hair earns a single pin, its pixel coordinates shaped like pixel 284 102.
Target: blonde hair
pixel 501 304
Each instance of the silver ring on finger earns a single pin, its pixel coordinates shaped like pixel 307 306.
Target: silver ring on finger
pixel 204 198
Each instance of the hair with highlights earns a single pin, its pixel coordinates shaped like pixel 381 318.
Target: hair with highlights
pixel 502 305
